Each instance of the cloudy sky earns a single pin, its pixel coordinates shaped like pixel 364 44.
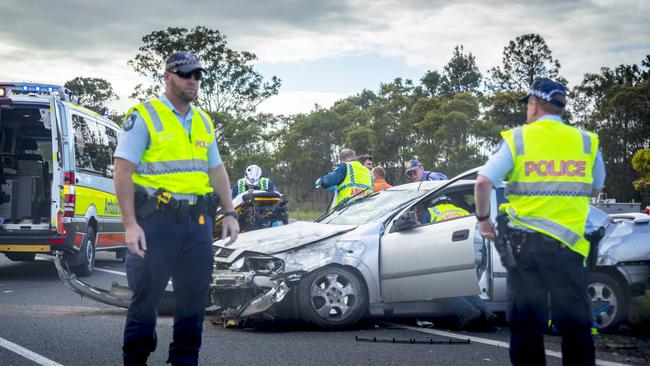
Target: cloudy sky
pixel 322 50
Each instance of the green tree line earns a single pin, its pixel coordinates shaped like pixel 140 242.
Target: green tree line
pixel 449 118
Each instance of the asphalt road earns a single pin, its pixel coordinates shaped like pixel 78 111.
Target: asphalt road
pixel 43 323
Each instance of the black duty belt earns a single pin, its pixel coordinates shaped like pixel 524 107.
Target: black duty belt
pixel 161 200
pixel 524 238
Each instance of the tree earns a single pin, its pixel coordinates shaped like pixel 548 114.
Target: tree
pixel 230 85
pixel 641 164
pixel 461 74
pixel 93 93
pixel 614 104
pixel 432 83
pixel 525 59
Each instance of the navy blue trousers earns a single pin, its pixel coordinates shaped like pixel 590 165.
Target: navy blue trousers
pixel 546 268
pixel 182 252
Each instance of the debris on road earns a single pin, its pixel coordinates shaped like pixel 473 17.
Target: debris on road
pixel 411 340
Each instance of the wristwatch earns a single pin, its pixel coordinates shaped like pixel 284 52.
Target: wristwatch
pixel 231 213
pixel 483 218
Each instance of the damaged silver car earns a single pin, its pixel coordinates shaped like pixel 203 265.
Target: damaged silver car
pixel 369 257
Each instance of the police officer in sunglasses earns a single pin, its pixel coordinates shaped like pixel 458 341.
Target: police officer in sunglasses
pixel 167 170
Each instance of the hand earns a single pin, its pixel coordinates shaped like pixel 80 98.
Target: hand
pixel 317 183
pixel 229 228
pixel 486 228
pixel 135 240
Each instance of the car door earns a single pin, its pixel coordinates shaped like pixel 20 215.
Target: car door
pixel 56 120
pixel 429 261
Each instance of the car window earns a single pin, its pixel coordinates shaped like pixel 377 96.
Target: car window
pixel 444 206
pixel 371 208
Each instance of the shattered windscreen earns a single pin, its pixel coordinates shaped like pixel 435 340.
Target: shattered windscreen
pixel 363 210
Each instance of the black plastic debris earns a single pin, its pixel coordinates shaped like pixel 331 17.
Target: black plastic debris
pixel 411 340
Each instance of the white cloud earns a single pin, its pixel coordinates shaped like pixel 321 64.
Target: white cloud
pixel 101 36
pixel 298 102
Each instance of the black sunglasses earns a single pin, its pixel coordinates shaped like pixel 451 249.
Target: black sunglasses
pixel 196 74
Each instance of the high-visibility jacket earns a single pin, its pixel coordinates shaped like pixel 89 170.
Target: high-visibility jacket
pixel 549 188
pixel 241 185
pixel 358 180
pixel 446 211
pixel 174 161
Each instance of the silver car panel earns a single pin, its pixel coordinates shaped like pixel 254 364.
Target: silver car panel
pixel 424 263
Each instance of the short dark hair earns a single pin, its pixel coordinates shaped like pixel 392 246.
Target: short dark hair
pixel 551 107
pixel 364 157
pixel 347 155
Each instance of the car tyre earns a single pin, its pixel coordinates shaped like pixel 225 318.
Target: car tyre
pixel 21 257
pixel 605 288
pixel 87 250
pixel 332 297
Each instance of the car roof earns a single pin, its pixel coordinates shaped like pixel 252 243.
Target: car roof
pixel 430 185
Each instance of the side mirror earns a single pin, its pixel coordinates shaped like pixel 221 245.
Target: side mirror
pixel 405 221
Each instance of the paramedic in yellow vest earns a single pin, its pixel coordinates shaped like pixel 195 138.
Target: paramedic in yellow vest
pixel 442 211
pixel 553 169
pixel 252 180
pixel 167 167
pixel 350 178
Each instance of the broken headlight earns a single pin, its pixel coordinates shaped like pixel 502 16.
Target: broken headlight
pixel 265 265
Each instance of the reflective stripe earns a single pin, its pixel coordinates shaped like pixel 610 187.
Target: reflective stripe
pixel 572 189
pixel 551 227
pixel 586 142
pixel 518 135
pixel 204 118
pixel 354 185
pixel 241 186
pixel 191 198
pixel 264 184
pixel 173 166
pixel 153 115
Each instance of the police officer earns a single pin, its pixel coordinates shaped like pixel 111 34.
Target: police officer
pixel 552 169
pixel 414 171
pixel 167 166
pixel 252 180
pixel 350 178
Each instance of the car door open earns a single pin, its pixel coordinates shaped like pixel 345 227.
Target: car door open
pixel 429 262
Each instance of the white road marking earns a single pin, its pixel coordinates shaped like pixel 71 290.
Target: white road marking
pixel 22 351
pixel 121 273
pixel 490 342
pixel 110 271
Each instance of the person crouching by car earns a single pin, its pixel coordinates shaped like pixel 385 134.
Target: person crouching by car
pixel 415 172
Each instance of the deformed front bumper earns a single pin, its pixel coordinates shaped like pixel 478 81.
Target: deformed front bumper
pixel 244 294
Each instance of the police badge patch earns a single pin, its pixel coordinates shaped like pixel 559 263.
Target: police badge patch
pixel 128 122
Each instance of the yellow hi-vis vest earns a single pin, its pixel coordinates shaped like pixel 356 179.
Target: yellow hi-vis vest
pixel 446 211
pixel 358 179
pixel 174 161
pixel 241 185
pixel 549 188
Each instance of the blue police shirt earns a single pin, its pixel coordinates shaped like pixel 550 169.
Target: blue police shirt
pixel 335 177
pixel 501 163
pixel 427 175
pixel 135 139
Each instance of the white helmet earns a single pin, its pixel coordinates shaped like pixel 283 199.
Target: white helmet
pixel 252 175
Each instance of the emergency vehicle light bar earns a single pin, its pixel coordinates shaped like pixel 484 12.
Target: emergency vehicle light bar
pixel 34 89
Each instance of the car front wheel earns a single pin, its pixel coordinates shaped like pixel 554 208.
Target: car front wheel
pixel 609 300
pixel 332 297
